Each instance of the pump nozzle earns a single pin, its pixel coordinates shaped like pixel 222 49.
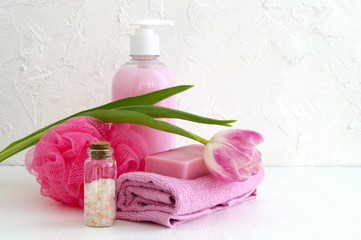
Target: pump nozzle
pixel 145 41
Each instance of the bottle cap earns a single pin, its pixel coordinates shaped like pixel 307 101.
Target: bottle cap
pixel 145 41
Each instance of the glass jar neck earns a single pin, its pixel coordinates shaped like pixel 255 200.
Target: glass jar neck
pixel 100 154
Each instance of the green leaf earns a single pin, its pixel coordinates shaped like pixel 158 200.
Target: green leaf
pixel 142 119
pixel 21 144
pixel 148 98
pixel 145 99
pixel 163 112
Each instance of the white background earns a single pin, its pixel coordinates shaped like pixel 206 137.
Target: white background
pixel 288 69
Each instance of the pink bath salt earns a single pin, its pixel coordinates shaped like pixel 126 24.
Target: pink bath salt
pixel 185 162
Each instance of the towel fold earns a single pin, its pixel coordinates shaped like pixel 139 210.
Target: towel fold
pixel 169 201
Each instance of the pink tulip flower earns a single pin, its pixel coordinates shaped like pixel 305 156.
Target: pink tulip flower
pixel 231 154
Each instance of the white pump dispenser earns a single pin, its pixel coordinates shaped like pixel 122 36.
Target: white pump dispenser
pixel 145 41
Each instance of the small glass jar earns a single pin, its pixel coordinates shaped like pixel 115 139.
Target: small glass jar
pixel 100 172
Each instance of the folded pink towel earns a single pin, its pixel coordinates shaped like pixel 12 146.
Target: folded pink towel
pixel 169 201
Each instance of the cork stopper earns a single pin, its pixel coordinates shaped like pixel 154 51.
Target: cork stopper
pixel 99 150
pixel 99 145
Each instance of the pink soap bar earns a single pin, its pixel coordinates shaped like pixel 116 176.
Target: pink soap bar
pixel 185 162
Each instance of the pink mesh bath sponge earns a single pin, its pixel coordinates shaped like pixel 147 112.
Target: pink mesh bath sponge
pixel 57 160
pixel 130 148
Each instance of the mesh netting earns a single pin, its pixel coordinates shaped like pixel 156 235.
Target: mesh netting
pixel 57 160
pixel 130 148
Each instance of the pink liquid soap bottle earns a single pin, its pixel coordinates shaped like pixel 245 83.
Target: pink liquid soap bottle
pixel 144 73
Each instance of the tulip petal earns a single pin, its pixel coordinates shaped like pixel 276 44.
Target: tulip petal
pixel 224 159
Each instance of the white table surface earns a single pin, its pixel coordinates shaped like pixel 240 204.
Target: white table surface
pixel 293 203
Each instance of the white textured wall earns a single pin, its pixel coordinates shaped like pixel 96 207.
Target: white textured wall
pixel 289 69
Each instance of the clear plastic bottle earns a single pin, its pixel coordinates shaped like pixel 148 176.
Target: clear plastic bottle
pixel 100 174
pixel 144 73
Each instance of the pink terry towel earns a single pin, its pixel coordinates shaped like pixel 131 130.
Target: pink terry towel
pixel 169 201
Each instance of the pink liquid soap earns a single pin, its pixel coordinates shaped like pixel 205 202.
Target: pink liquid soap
pixel 143 75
